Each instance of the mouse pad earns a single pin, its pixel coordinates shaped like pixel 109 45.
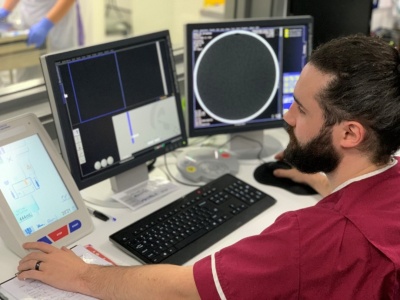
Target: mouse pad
pixel 263 174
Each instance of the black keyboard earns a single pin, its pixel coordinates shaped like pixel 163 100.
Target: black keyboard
pixel 179 231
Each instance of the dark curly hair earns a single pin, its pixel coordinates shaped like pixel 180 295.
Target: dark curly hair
pixel 365 88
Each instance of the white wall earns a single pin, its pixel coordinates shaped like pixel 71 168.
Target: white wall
pixel 184 11
pixel 147 16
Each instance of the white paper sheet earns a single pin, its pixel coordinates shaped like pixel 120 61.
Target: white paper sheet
pixel 15 289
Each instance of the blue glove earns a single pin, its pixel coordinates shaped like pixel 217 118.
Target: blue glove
pixel 3 13
pixel 38 32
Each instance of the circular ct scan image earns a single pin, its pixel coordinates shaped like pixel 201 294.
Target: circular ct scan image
pixel 236 76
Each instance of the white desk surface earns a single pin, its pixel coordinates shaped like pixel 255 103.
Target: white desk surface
pixel 286 201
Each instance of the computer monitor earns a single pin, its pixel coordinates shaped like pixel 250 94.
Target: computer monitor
pixel 334 18
pixel 240 77
pixel 116 106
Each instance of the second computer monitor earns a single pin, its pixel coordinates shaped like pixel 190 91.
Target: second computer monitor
pixel 116 106
pixel 240 74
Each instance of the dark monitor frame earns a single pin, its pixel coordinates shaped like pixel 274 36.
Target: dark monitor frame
pixel 63 124
pixel 234 24
pixel 334 18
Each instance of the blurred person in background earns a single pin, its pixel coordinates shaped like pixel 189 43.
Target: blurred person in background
pixel 53 24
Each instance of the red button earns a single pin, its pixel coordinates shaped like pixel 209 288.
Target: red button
pixel 225 155
pixel 59 233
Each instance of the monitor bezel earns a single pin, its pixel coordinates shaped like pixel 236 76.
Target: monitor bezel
pixel 65 137
pixel 231 129
pixel 327 14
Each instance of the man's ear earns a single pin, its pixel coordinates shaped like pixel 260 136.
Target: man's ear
pixel 352 134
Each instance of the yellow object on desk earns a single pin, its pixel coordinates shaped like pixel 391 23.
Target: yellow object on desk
pixel 213 2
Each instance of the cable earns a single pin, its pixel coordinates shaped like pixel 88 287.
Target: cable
pixel 248 139
pixel 150 165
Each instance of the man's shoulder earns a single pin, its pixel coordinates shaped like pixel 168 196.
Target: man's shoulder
pixel 317 216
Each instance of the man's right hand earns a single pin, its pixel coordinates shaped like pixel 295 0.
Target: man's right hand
pixel 317 181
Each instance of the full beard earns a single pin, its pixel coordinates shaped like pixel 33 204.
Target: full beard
pixel 317 155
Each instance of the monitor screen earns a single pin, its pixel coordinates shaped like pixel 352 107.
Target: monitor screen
pixel 32 186
pixel 38 198
pixel 116 106
pixel 334 18
pixel 241 73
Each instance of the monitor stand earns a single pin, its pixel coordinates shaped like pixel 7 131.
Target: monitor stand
pixel 102 192
pixel 247 145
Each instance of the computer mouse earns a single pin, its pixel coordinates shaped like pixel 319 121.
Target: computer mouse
pixel 264 174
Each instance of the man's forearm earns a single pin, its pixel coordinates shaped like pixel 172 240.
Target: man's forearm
pixel 143 282
pixel 59 10
pixel 320 183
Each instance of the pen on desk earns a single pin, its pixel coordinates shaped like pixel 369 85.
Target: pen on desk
pixel 100 215
pixel 19 272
